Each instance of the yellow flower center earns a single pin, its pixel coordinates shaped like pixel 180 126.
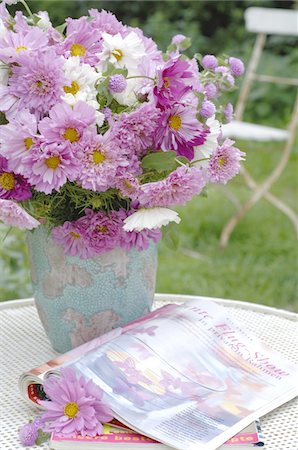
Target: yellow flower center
pixel 117 53
pixel 28 143
pixel 7 181
pixel 71 134
pixel 77 50
pixel 73 89
pixel 71 409
pixel 222 161
pixel 53 162
pixel 175 122
pixel 166 82
pixel 101 228
pixel 21 48
pixel 98 157
pixel 74 235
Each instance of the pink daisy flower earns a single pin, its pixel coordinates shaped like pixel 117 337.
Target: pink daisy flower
pixel 179 130
pixel 16 139
pixel 128 185
pixel 12 186
pixel 140 239
pixel 67 124
pixel 13 45
pixel 38 81
pixel 82 40
pixel 75 406
pixel 52 165
pixel 14 215
pixel 224 163
pixel 105 22
pixel 72 238
pixel 99 160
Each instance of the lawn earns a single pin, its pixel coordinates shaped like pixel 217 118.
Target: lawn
pixel 259 264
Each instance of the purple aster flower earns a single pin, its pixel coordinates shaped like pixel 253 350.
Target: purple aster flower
pixel 179 130
pixel 207 109
pixel 140 239
pixel 209 62
pixel 67 124
pixel 13 45
pixel 52 165
pixel 99 161
pixel 82 40
pixel 28 434
pixel 229 112
pixel 38 81
pixel 224 163
pixel 71 237
pixel 117 83
pixel 75 405
pixel 105 22
pixel 14 215
pixel 134 132
pixel 237 66
pixel 177 189
pixel 173 81
pixel 12 186
pixel 210 90
pixel 16 139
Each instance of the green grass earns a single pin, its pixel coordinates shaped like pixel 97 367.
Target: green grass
pixel 259 264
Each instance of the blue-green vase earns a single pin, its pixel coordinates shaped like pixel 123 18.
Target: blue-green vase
pixel 79 299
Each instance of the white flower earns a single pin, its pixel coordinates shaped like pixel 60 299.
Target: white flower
pixel 44 22
pixel 82 79
pixel 2 29
pixel 4 74
pixel 122 52
pixel 210 145
pixel 149 218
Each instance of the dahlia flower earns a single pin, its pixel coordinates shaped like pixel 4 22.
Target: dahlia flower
pixel 225 162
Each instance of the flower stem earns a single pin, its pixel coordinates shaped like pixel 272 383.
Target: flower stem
pixel 24 3
pixel 140 76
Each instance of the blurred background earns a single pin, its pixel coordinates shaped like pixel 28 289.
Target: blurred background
pixel 260 262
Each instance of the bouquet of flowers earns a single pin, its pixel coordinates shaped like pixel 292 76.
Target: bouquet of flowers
pixel 101 133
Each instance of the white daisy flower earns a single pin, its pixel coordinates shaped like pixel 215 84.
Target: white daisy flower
pixel 150 218
pixel 210 145
pixel 122 52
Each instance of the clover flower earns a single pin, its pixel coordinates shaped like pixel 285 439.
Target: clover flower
pixel 75 405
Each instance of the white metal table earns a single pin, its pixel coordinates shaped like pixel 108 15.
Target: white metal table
pixel 24 345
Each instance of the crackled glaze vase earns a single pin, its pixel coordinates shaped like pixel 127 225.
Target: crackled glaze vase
pixel 79 299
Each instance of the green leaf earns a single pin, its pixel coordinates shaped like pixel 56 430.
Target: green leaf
pixel 61 28
pixel 161 161
pixel 42 437
pixel 170 236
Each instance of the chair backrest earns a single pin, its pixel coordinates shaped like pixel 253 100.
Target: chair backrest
pixel 272 21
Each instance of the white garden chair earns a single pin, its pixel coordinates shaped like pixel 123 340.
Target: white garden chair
pixel 263 21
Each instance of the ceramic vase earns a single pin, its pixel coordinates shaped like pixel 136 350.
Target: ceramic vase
pixel 79 299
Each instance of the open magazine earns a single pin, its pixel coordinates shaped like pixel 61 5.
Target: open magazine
pixel 185 375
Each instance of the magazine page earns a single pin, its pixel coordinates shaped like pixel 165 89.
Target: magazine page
pixel 190 377
pixel 31 381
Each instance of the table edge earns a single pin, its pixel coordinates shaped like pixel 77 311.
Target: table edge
pixel 160 297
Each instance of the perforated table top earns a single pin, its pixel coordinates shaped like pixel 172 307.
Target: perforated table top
pixel 23 345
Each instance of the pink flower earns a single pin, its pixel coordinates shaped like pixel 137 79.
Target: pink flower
pixel 224 163
pixel 14 215
pixel 52 165
pixel 237 66
pixel 75 406
pixel 99 160
pixel 81 40
pixel 72 238
pixel 179 130
pixel 140 239
pixel 178 188
pixel 13 45
pixel 38 81
pixel 67 124
pixel 105 22
pixel 28 434
pixel 16 140
pixel 209 62
pixel 12 186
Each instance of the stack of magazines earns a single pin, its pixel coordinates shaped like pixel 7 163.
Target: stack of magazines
pixel 185 376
